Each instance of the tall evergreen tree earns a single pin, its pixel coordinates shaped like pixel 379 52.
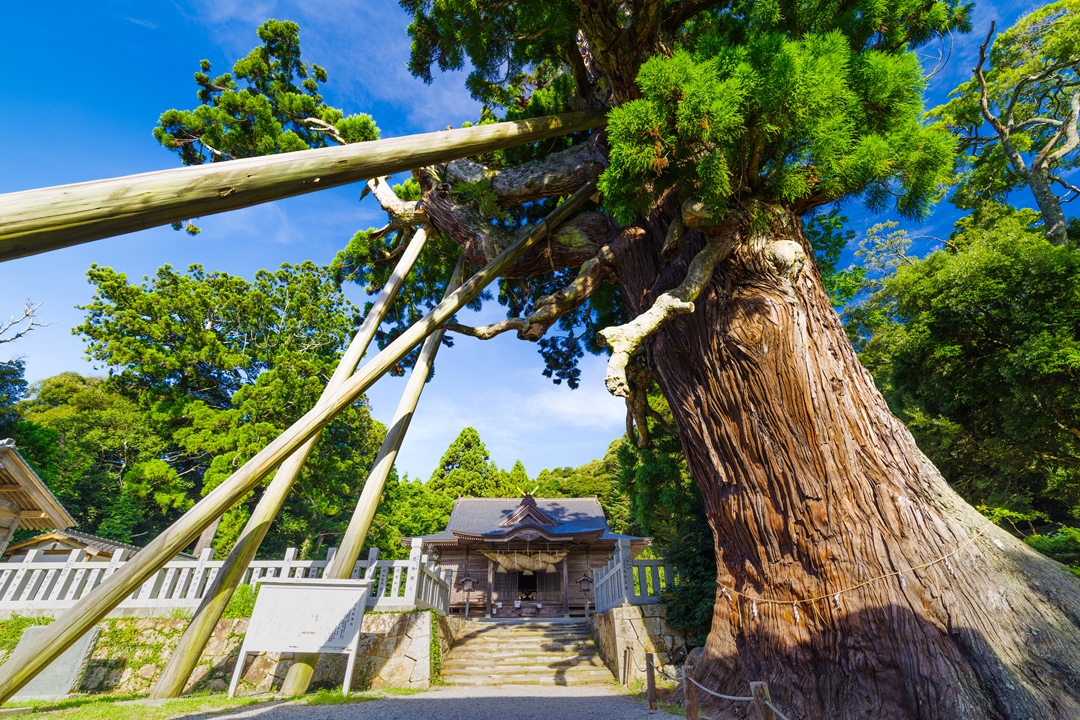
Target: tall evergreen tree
pixel 466 469
pixel 848 572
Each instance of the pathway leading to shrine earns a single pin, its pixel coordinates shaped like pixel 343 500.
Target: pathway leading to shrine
pixel 523 702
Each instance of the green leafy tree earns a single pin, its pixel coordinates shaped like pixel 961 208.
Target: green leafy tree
pixel 466 469
pixel 1018 117
pixel 222 365
pixel 101 455
pixel 729 123
pixel 977 348
pixel 278 109
pixel 408 509
pixel 598 478
pixel 12 388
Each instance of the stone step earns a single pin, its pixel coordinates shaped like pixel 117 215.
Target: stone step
pixel 470 654
pixel 533 679
pixel 515 668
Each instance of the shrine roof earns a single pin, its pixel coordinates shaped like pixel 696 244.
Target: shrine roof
pixel 495 518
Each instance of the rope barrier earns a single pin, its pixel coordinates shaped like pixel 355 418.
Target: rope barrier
pixel 724 589
pixel 733 698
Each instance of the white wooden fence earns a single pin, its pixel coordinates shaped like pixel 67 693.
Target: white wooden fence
pixel 625 580
pixel 35 587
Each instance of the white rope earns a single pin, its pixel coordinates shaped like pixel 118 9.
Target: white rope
pixel 723 697
pixel 732 698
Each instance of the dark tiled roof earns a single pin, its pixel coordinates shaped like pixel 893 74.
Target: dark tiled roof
pixel 484 516
pixel 100 544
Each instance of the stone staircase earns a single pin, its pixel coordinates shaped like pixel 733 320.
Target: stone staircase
pixel 525 653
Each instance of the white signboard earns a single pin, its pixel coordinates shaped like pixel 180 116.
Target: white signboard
pixel 305 616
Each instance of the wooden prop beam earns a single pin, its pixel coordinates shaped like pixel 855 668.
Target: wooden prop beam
pixel 23 665
pixel 37 221
pixel 303 665
pixel 183 660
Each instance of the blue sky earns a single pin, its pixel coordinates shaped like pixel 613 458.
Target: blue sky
pixel 87 82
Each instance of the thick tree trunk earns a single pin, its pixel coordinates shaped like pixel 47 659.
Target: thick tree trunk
pixel 851 577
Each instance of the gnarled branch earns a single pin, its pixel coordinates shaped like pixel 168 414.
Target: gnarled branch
pixel 402 212
pixel 549 308
pixel 626 340
pixel 29 316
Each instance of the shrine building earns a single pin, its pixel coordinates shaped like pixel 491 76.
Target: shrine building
pixel 524 557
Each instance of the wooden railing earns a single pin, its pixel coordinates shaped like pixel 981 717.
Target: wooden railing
pixel 625 580
pixel 35 586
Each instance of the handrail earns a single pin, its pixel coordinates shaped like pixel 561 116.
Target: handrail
pixel 37 221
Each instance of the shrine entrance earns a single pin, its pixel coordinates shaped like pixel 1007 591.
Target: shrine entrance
pixel 524 557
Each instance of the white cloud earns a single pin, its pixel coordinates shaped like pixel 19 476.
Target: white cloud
pixel 143 23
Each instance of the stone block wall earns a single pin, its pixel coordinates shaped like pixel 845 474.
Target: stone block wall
pixel 644 629
pixel 395 651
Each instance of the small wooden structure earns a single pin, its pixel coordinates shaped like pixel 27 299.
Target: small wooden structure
pixel 524 555
pixel 25 502
pixel 56 546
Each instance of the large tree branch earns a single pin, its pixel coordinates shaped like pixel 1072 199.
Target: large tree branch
pixel 402 212
pixel 326 128
pixel 549 308
pixel 626 340
pixel 1068 127
pixel 560 173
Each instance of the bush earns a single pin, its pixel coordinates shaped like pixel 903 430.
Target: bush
pixel 242 603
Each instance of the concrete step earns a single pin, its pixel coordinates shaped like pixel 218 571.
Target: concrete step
pixel 532 679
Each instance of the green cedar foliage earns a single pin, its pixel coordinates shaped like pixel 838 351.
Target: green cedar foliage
pixel 597 478
pixel 220 366
pixel 801 111
pixel 279 108
pixel 977 348
pixel 508 45
pixel 466 470
pixel 1031 78
pixel 12 388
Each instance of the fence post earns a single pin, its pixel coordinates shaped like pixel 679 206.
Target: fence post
pixel 690 692
pixel 286 564
pixel 650 681
pixel 373 560
pixel 330 553
pixel 760 691
pixel 197 575
pixel 114 562
pixel 412 580
pixel 627 559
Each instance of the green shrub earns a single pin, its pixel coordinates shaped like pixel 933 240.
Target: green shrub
pixel 242 603
pixel 12 629
pixel 1062 545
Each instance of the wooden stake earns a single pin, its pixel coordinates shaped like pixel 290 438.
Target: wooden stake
pixel 650 681
pixel 36 221
pixel 23 665
pixel 760 691
pixel 689 692
pixel 183 660
pixel 303 666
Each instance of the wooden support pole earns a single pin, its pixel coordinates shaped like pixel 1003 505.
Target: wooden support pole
pixel 650 681
pixel 488 588
pixel 566 586
pixel 37 221
pixel 23 665
pixel 183 660
pixel 689 693
pixel 760 692
pixel 303 666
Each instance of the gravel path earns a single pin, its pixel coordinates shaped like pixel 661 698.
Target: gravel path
pixel 505 702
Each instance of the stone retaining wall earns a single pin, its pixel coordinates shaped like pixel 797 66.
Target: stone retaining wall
pixel 644 629
pixel 395 651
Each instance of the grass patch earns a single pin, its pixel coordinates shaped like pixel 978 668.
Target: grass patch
pixel 335 697
pixel 12 629
pixel 117 707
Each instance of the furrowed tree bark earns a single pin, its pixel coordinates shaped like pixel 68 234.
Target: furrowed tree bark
pixel 185 657
pixel 303 666
pixel 851 578
pixel 23 665
pixel 36 221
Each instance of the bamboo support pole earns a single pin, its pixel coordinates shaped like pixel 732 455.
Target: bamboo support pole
pixel 185 657
pixel 37 221
pixel 23 665
pixel 303 665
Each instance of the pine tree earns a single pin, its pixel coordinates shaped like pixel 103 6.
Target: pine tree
pixel 466 469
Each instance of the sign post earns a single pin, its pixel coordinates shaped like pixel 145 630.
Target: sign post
pixel 306 615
